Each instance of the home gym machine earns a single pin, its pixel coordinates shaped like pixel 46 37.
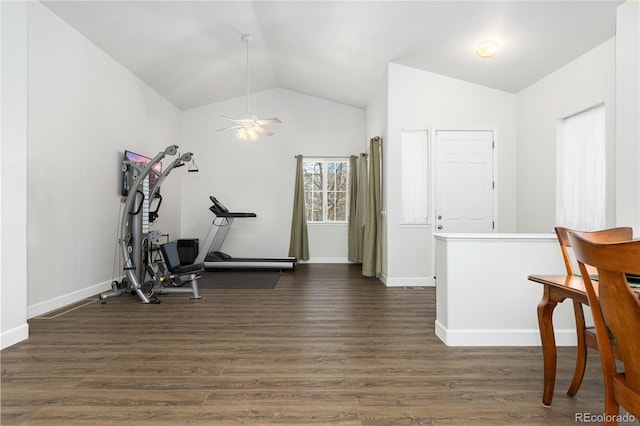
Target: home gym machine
pixel 135 239
pixel 213 258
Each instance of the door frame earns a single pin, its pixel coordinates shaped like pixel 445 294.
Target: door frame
pixel 434 168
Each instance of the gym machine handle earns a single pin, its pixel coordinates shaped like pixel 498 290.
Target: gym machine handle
pixel 159 197
pixel 153 214
pixel 133 213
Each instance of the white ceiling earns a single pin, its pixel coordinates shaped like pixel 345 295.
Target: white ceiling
pixel 191 51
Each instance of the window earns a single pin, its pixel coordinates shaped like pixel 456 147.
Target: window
pixel 326 190
pixel 581 178
pixel 415 176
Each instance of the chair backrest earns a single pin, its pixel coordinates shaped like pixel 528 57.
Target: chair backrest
pixel 623 233
pixel 170 255
pixel 616 305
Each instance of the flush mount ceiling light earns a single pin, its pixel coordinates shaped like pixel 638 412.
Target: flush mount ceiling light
pixel 248 124
pixel 487 48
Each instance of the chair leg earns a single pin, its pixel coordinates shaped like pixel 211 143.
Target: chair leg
pixel 581 353
pixel 611 411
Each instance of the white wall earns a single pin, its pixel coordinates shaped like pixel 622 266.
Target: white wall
pixel 84 110
pixel 424 100
pixel 13 175
pixel 579 85
pixel 628 115
pixel 258 176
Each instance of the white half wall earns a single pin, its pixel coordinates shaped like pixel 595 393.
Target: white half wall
pixel 13 175
pixel 258 176
pixel 483 296
pixel 586 82
pixel 84 109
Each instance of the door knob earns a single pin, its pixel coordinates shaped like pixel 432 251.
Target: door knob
pixel 439 216
pixel 439 226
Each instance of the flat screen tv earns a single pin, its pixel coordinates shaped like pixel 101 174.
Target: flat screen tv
pixel 132 156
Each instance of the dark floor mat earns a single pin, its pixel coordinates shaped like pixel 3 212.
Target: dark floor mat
pixel 239 280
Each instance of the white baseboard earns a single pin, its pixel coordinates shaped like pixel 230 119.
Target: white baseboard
pixel 66 299
pixel 409 282
pixel 13 336
pixel 504 337
pixel 325 260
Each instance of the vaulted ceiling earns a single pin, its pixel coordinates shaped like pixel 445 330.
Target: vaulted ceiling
pixel 191 51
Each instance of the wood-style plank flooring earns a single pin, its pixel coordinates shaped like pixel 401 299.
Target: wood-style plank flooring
pixel 326 346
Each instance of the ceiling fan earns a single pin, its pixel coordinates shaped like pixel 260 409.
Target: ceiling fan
pixel 249 125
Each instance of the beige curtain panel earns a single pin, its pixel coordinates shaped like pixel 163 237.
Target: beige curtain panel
pixel 372 250
pixel 353 254
pixel 363 191
pixel 299 242
pixel 358 207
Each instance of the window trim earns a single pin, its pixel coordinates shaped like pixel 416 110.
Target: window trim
pixel 324 161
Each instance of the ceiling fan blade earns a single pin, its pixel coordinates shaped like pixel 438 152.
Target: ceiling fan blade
pixel 230 119
pixel 237 126
pixel 263 131
pixel 268 121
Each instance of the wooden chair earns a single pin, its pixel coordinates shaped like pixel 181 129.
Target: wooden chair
pixel 616 311
pixel 586 335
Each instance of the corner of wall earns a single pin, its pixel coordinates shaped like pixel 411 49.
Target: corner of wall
pixel 13 175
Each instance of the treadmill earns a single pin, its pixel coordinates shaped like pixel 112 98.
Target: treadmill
pixel 213 258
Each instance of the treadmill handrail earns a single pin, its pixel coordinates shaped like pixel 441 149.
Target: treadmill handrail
pixel 231 214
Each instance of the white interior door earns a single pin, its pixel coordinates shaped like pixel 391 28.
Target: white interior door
pixel 464 181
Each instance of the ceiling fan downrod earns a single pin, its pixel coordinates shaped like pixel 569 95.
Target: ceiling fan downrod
pixel 247 38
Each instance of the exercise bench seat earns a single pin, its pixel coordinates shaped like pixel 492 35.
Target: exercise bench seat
pixel 179 272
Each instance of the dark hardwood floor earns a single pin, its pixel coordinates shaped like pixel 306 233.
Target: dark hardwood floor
pixel 326 346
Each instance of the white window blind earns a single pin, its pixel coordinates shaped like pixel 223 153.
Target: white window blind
pixel 415 176
pixel 581 174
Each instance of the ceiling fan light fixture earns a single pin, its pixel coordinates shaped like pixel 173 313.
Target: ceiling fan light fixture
pixel 247 130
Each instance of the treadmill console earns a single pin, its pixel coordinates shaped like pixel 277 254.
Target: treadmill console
pixel 221 211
